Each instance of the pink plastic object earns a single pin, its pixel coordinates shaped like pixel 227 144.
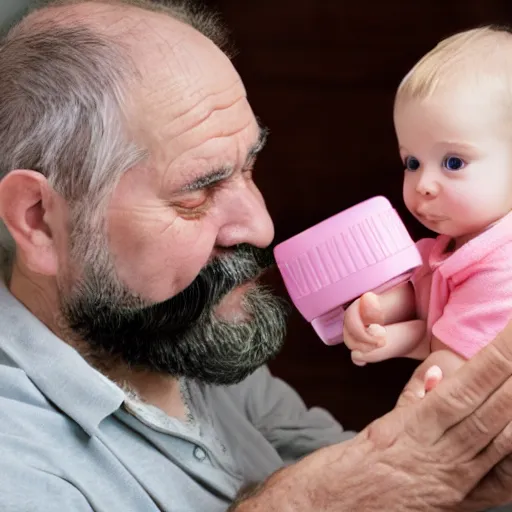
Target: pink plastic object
pixel 327 266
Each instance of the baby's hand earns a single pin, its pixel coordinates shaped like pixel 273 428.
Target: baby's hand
pixel 362 329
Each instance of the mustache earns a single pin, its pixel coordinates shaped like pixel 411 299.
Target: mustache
pixel 243 263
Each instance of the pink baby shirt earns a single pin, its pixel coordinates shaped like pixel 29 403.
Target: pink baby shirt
pixel 466 296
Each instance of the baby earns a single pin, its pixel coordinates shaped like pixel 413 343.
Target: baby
pixel 453 120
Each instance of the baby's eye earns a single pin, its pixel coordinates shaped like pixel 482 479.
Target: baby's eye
pixel 453 163
pixel 412 163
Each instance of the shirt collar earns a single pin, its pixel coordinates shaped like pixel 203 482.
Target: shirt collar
pixel 472 251
pixel 57 369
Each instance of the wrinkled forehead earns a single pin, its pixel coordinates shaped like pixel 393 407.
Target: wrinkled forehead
pixel 174 62
pixel 185 90
pixel 178 69
pixel 183 78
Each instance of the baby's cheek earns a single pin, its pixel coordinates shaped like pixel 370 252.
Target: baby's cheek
pixel 473 207
pixel 457 199
pixel 408 199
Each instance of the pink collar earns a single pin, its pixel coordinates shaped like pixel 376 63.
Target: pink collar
pixel 471 252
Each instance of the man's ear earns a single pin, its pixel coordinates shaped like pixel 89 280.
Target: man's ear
pixel 25 200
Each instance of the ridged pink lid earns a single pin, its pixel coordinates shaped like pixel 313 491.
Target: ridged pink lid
pixel 346 255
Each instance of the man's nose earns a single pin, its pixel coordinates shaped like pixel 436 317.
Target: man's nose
pixel 247 219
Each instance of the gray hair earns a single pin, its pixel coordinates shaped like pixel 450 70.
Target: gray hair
pixel 62 97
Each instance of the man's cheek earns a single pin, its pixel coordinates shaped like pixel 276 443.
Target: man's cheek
pixel 177 273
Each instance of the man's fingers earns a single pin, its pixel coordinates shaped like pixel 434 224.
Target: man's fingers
pixel 414 391
pixel 496 485
pixel 433 377
pixel 484 428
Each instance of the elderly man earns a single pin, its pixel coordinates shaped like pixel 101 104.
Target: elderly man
pixel 134 333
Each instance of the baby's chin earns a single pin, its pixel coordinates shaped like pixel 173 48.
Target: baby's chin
pixel 231 307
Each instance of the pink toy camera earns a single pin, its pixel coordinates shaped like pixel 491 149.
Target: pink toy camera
pixel 327 266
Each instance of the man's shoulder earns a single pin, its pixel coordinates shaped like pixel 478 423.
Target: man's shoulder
pixel 24 410
pixel 17 391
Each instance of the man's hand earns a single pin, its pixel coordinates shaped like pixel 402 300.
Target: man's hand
pixel 449 451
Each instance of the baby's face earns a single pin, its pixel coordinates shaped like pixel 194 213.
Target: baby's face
pixel 458 162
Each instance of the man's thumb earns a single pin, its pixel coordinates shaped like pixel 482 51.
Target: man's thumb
pixel 424 379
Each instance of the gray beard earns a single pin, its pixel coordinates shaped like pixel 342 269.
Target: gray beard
pixel 182 336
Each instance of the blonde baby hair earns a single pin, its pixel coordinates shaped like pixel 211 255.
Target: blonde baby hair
pixel 483 55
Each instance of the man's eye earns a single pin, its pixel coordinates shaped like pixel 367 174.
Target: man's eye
pixel 192 200
pixel 412 163
pixel 453 163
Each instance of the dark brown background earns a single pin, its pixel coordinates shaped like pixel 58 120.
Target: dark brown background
pixel 321 74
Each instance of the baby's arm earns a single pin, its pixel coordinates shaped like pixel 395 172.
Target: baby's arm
pixel 403 334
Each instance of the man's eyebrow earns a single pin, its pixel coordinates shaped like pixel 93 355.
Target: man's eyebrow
pixel 257 147
pixel 207 180
pixel 216 175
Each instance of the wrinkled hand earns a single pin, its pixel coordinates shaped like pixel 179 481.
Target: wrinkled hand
pixel 449 451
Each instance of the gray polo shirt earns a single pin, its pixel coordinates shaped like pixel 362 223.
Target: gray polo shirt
pixel 71 440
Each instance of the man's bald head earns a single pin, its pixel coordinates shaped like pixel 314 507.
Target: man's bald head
pixel 68 72
pixel 117 17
